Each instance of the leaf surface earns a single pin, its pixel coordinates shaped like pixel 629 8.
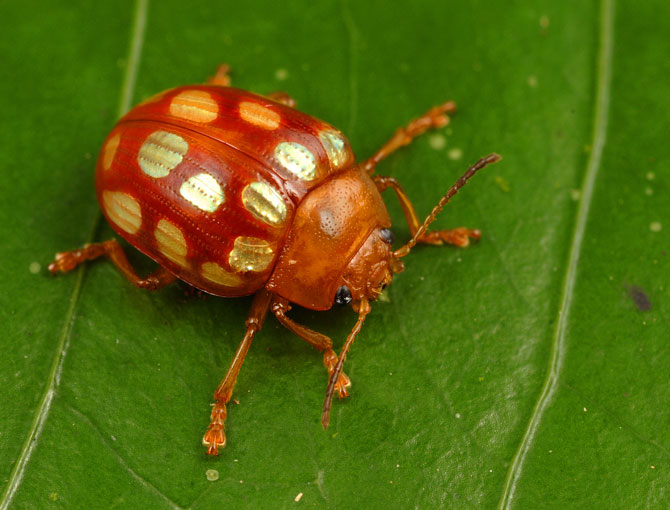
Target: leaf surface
pixel 492 376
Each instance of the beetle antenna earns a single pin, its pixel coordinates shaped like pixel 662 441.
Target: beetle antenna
pixel 363 311
pixel 491 158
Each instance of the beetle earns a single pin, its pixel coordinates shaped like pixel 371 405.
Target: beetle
pixel 237 193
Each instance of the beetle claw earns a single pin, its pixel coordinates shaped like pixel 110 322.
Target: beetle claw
pixel 342 385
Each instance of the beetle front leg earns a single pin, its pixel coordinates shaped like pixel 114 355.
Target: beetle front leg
pixel 67 261
pixel 434 118
pixel 279 308
pixel 215 436
pixel 458 236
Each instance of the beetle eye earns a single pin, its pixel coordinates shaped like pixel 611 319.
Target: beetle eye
pixel 387 235
pixel 343 296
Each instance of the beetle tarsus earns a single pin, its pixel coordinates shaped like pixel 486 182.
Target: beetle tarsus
pixel 456 236
pixel 343 382
pixel 63 262
pixel 215 436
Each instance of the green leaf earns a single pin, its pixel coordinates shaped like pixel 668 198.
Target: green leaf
pixel 527 371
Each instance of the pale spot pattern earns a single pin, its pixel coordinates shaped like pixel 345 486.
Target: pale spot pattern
pixel 215 273
pixel 195 105
pixel 297 159
pixel 250 254
pixel 171 242
pixel 203 191
pixel 265 203
pixel 259 115
pixel 161 152
pixel 110 150
pixel 123 210
pixel 333 142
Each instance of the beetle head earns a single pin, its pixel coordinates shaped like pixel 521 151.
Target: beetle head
pixel 369 271
pixel 373 266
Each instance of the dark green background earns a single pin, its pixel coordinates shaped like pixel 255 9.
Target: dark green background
pixel 447 373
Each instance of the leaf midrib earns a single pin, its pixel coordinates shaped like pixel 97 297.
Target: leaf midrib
pixel 557 353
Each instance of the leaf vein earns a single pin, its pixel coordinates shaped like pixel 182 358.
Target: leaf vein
pixel 63 344
pixel 141 480
pixel 558 344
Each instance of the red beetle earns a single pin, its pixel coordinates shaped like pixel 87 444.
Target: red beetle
pixel 237 193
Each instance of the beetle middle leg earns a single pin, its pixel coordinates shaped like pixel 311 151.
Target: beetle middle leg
pixel 436 117
pixel 215 435
pixel 67 261
pixel 458 236
pixel 279 308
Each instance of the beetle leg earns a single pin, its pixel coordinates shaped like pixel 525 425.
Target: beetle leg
pixel 67 261
pixel 434 118
pixel 222 76
pixel 282 97
pixel 279 308
pixel 215 435
pixel 363 309
pixel 458 236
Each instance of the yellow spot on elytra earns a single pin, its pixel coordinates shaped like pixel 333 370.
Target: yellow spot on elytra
pixel 203 191
pixel 264 202
pixel 161 152
pixel 215 273
pixel 259 115
pixel 123 210
pixel 655 226
pixel 334 144
pixel 297 159
pixel 195 105
pixel 171 242
pixel 110 150
pixel 250 254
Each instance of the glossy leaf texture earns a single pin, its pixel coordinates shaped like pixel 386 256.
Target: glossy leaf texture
pixel 527 371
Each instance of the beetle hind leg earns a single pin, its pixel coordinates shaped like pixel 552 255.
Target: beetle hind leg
pixel 67 261
pixel 322 342
pixel 215 436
